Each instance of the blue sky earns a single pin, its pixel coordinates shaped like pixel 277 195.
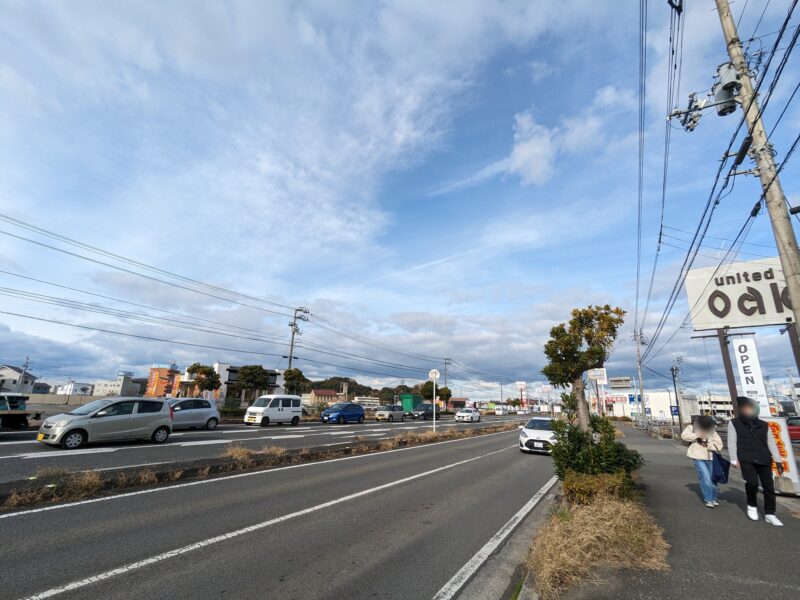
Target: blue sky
pixel 446 179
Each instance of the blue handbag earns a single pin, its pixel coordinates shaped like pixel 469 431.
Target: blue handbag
pixel 720 468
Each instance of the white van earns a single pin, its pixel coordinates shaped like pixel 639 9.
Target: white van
pixel 501 410
pixel 274 409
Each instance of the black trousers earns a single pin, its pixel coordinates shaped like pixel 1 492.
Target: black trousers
pixel 754 473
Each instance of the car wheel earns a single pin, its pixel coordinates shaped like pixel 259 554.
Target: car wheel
pixel 341 421
pixel 265 421
pixel 403 419
pixel 73 440
pixel 391 418
pixel 295 421
pixel 360 420
pixel 425 417
pixel 211 424
pixel 160 435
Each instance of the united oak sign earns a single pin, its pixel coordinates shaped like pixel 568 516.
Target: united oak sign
pixel 742 294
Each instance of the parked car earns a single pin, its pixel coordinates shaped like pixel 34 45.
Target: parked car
pixel 501 410
pixel 537 435
pixel 468 414
pixel 109 420
pixel 274 408
pixel 793 425
pixel 189 413
pixel 390 412
pixel 343 412
pixel 424 411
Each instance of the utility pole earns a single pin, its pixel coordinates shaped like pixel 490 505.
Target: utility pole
pixel 446 362
pixel 24 369
pixel 637 337
pixel 299 313
pixel 676 370
pixel 763 154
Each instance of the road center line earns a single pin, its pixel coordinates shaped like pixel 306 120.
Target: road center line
pixel 465 573
pixel 251 528
pixel 236 476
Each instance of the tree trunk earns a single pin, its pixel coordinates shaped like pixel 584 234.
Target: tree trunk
pixel 583 405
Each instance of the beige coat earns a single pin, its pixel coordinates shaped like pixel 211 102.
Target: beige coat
pixel 697 451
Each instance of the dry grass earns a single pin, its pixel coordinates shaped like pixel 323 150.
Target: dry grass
pixel 609 531
pixel 146 477
pixel 80 485
pixel 203 473
pixel 51 472
pixel 26 497
pixel 174 475
pixel 243 458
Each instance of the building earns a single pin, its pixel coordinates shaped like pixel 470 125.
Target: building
pixel 123 385
pixel 40 387
pixel 457 403
pixel 368 402
pixel 660 404
pixel 322 397
pixel 75 388
pixel 15 379
pixel 228 376
pixel 164 381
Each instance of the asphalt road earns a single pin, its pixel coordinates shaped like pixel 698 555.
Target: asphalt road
pixel 397 524
pixel 21 455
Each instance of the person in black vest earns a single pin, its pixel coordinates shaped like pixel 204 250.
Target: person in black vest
pixel 752 447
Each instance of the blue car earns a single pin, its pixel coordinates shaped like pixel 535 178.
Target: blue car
pixel 343 412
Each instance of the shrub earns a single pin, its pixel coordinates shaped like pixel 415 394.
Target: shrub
pixel 229 411
pixel 592 452
pixel 580 488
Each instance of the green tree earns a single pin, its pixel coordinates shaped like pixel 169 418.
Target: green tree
pixel 206 379
pixel 253 377
pixel 579 345
pixel 386 395
pixel 444 394
pixel 294 380
pixel 426 390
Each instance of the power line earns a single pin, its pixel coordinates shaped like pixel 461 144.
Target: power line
pixel 642 93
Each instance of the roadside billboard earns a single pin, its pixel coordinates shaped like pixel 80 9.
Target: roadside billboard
pixel 780 431
pixel 741 294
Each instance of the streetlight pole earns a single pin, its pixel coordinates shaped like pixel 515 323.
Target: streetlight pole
pixel 434 375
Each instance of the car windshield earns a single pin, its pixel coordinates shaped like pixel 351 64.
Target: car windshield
pixel 543 424
pixel 261 402
pixel 339 406
pixel 89 408
pixel 424 407
pixel 385 408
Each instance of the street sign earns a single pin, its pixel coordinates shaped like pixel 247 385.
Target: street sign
pixel 674 410
pixel 521 385
pixel 742 294
pixel 433 374
pixel 780 431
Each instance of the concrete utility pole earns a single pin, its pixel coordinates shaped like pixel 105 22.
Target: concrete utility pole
pixel 676 370
pixel 763 154
pixel 446 362
pixel 24 370
pixel 299 313
pixel 637 337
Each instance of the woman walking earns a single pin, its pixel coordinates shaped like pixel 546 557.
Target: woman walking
pixel 753 448
pixel 704 440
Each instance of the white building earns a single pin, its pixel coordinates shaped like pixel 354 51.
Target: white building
pixel 123 385
pixel 15 379
pixel 660 404
pixel 368 402
pixel 75 388
pixel 228 375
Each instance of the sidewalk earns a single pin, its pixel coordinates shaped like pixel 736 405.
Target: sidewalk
pixel 716 553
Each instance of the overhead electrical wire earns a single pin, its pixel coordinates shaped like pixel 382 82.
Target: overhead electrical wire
pixel 642 95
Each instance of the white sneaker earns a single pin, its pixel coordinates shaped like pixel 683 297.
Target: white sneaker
pixel 715 503
pixel 710 504
pixel 752 513
pixel 773 520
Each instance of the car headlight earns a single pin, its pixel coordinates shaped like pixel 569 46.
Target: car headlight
pixel 60 424
pixel 522 434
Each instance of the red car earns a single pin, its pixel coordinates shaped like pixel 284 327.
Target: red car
pixel 793 424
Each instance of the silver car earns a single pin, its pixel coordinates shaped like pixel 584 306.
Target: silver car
pixel 390 412
pixel 109 420
pixel 194 412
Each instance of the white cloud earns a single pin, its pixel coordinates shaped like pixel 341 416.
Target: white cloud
pixel 533 156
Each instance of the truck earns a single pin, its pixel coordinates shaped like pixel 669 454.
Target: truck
pixel 410 402
pixel 13 410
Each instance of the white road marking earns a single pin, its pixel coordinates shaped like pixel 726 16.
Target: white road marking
pixel 150 464
pixel 41 509
pixel 245 530
pixel 465 573
pixel 205 443
pixel 60 453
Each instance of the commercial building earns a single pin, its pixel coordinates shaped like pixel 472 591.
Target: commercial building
pixel 322 396
pixel 164 381
pixel 124 385
pixel 16 379
pixel 75 388
pixel 660 404
pixel 368 402
pixel 228 376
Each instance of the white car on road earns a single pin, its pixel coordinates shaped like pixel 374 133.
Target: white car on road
pixel 473 415
pixel 537 435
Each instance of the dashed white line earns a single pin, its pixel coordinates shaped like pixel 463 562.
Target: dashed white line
pixel 245 530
